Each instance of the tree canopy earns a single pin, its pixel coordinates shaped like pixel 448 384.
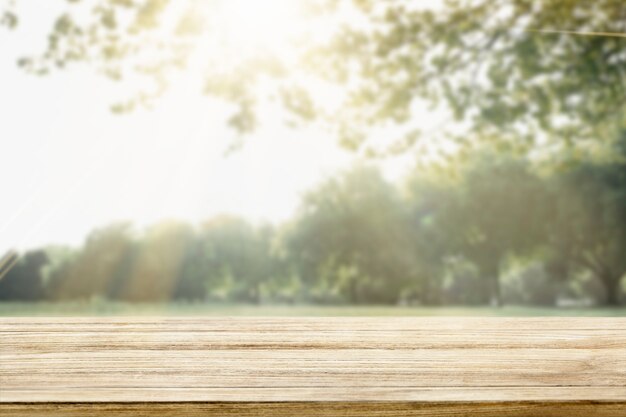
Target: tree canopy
pixel 500 233
pixel 521 72
pixel 521 78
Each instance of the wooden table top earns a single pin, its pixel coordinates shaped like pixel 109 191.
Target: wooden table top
pixel 313 366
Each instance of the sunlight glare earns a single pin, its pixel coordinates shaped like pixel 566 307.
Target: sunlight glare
pixel 253 24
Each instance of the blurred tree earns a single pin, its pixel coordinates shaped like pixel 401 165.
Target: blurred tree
pixel 243 255
pixel 502 67
pixel 588 222
pixel 498 210
pixel 529 284
pixel 98 268
pixel 464 284
pixel 430 197
pixel 8 261
pixel 351 234
pixel 194 272
pixel 24 281
pixel 159 263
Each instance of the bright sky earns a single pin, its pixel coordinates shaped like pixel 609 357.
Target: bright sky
pixel 68 165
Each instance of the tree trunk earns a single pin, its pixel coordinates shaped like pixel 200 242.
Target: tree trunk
pixel 354 291
pixel 494 276
pixel 496 298
pixel 431 293
pixel 256 293
pixel 612 285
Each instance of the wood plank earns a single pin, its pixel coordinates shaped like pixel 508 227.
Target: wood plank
pixel 305 324
pixel 317 409
pixel 313 366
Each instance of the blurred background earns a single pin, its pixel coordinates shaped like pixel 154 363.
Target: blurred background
pixel 313 157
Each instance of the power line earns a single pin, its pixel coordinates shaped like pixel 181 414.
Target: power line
pixel 579 33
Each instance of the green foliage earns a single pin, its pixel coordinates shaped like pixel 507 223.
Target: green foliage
pixel 9 19
pixel 432 234
pixel 24 281
pixel 501 68
pixel 243 255
pixel 588 222
pixel 98 268
pixel 493 211
pixel 495 232
pixel 159 263
pixel 503 201
pixel 495 69
pixel 350 237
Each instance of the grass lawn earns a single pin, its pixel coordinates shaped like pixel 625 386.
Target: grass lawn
pixel 105 308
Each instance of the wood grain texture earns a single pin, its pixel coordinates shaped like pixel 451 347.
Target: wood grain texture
pixel 313 366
